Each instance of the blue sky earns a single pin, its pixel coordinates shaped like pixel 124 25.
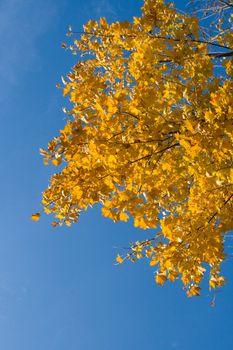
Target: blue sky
pixel 60 289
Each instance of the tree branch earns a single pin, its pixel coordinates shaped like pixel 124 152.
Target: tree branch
pixel 226 3
pixel 150 155
pixel 226 201
pixel 220 54
pixel 156 37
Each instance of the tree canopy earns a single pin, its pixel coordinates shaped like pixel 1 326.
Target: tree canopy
pixel 149 135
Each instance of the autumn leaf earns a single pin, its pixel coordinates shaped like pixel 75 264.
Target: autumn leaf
pixel 56 161
pixel 55 223
pixel 35 217
pixel 119 259
pixel 124 216
pixel 160 279
pixel 153 261
pixel 66 90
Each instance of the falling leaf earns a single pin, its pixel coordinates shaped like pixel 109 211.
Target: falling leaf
pixel 35 217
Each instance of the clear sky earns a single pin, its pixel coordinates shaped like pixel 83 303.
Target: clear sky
pixel 59 288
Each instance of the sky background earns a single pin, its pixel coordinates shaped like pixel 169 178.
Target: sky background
pixel 60 288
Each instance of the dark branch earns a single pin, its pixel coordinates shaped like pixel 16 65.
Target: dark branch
pixel 226 201
pixel 220 54
pixel 150 155
pixel 226 3
pixel 157 37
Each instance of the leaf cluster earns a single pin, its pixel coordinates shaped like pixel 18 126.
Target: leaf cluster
pixel 150 136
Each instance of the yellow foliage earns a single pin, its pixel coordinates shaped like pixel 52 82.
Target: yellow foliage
pixel 35 216
pixel 150 133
